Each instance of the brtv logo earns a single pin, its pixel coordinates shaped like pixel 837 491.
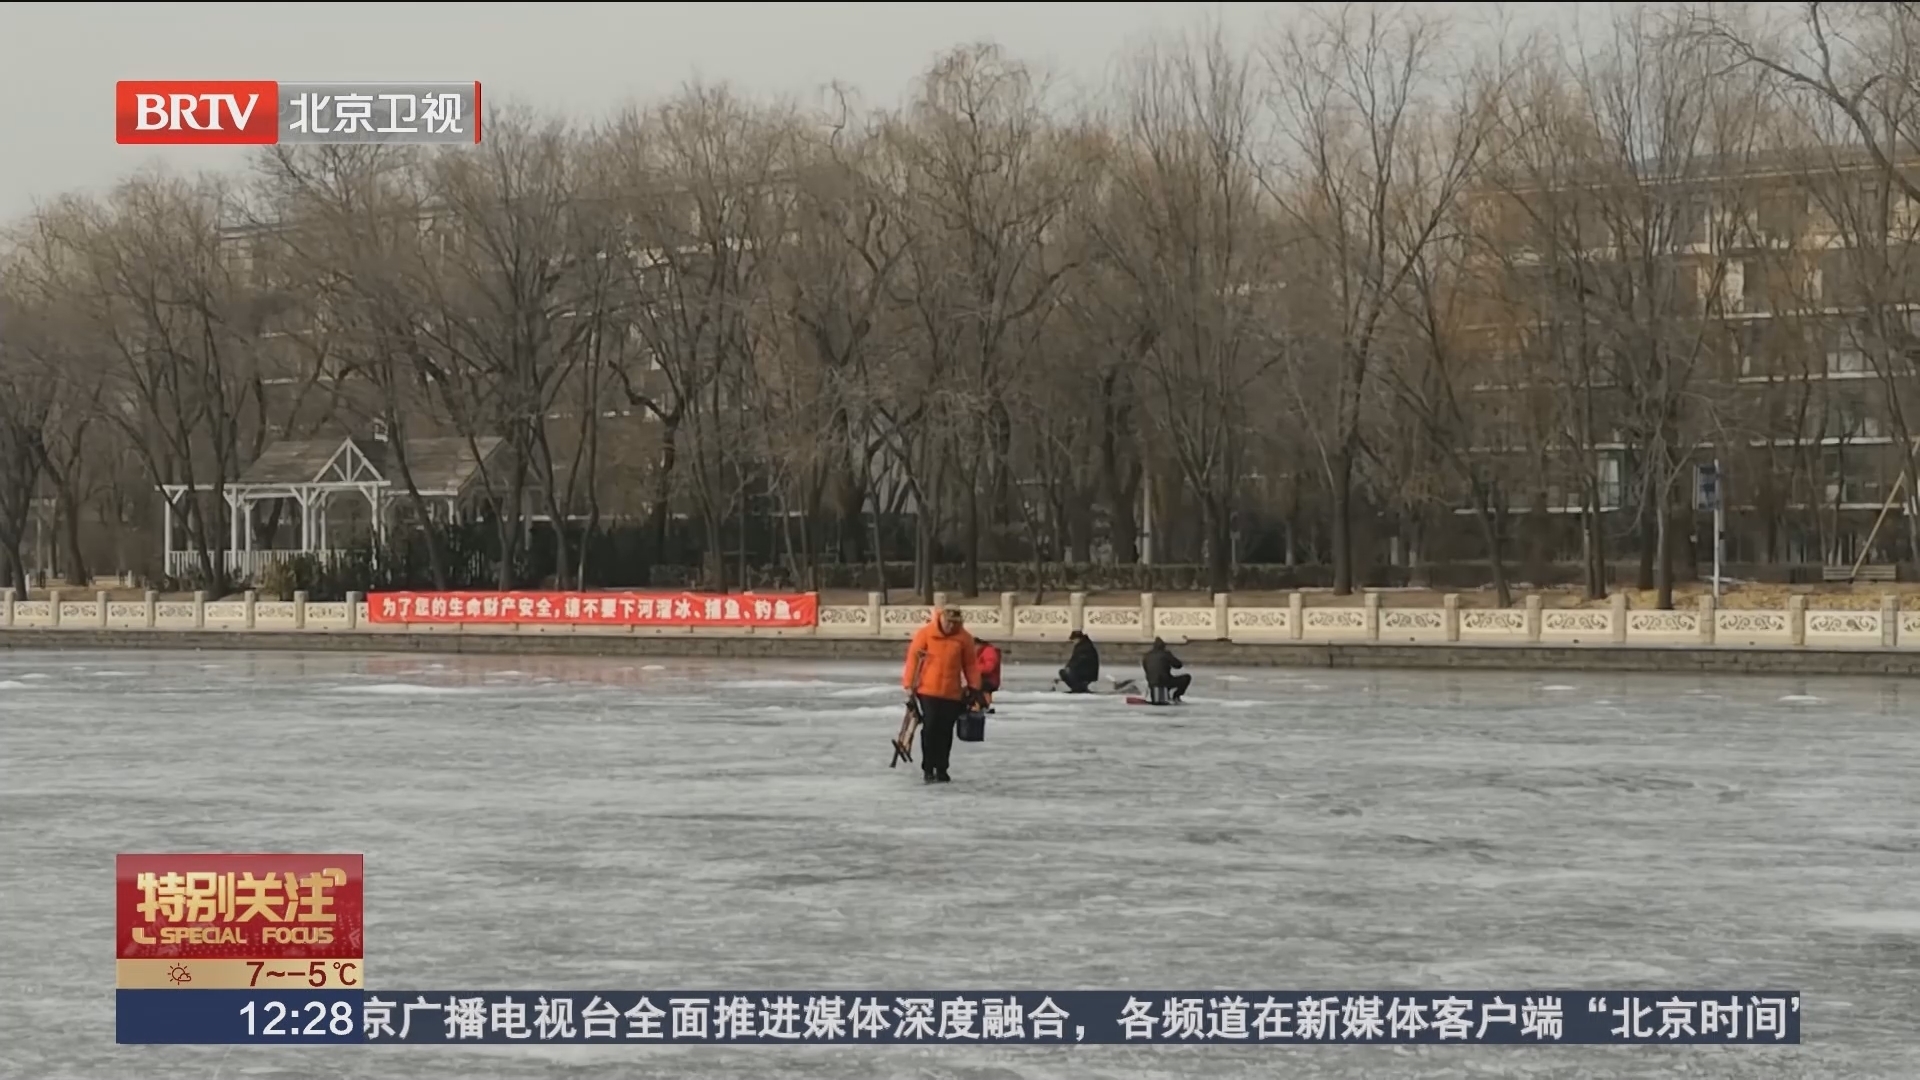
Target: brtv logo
pixel 198 113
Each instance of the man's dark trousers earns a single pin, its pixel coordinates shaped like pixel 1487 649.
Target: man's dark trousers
pixel 1075 684
pixel 1175 686
pixel 937 718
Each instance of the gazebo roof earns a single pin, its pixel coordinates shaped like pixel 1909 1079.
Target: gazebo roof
pixel 439 466
pixel 291 462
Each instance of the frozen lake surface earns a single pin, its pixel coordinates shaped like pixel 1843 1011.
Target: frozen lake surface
pixel 534 823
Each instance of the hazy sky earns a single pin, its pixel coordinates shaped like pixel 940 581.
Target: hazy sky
pixel 59 61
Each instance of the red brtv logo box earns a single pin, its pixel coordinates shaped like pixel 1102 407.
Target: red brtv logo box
pixel 196 113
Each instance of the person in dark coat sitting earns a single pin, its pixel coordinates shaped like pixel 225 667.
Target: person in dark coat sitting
pixel 1159 664
pixel 1083 667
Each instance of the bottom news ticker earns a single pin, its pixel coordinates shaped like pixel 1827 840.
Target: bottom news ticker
pixel 1023 1017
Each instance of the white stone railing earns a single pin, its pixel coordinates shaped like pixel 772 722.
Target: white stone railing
pixel 1885 627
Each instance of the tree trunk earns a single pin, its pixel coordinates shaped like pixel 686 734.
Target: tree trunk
pixel 1539 527
pixel 741 501
pixel 1912 473
pixel 800 577
pixel 662 512
pixel 562 552
pixel 970 573
pixel 1487 514
pixel 1121 492
pixel 69 511
pixel 1219 543
pixel 1698 531
pixel 1663 556
pixel 1649 544
pixel 879 553
pixel 13 571
pixel 1419 575
pixel 436 543
pixel 1340 488
pixel 504 526
pixel 1079 514
pixel 713 560
pixel 1593 543
pixel 923 555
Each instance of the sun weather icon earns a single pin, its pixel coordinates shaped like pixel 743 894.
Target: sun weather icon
pixel 178 974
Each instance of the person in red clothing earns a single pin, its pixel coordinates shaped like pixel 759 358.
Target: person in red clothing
pixel 943 664
pixel 989 672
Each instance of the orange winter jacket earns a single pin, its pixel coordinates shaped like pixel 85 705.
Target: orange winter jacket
pixel 946 663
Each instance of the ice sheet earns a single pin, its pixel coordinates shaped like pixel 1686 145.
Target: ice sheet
pixel 581 823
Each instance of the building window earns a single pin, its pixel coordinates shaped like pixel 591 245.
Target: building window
pixel 1610 481
pixel 1844 354
pixel 1852 420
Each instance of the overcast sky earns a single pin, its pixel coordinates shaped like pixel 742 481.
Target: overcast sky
pixel 58 62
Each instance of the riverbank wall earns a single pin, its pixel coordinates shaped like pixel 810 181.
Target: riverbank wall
pixel 1796 639
pixel 1668 658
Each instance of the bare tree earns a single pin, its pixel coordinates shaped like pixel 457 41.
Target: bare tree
pixel 1667 129
pixel 1198 246
pixel 346 231
pixel 987 185
pixel 507 325
pixel 156 293
pixel 1376 165
pixel 1443 359
pixel 704 210
pixel 1851 71
pixel 1541 235
pixel 25 414
pixel 1366 283
pixel 830 287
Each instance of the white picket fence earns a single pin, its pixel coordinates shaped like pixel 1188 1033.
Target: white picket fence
pixel 1887 627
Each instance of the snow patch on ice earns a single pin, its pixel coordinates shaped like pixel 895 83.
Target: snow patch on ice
pixel 1033 708
pixel 1893 922
pixel 864 691
pixel 870 710
pixel 14 684
pixel 1025 695
pixel 777 684
pixel 653 667
pixel 36 675
pixel 1803 699
pixel 406 690
pixel 1233 678
pixel 1558 687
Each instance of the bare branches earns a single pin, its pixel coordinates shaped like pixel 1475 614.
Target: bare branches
pixel 1195 249
pixel 1381 142
pixel 1355 285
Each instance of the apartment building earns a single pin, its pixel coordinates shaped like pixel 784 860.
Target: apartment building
pixel 1764 315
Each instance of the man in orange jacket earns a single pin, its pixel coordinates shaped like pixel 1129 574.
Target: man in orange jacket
pixel 942 665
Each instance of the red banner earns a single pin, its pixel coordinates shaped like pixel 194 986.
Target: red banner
pixel 773 610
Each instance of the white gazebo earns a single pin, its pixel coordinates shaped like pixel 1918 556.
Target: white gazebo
pixel 311 474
